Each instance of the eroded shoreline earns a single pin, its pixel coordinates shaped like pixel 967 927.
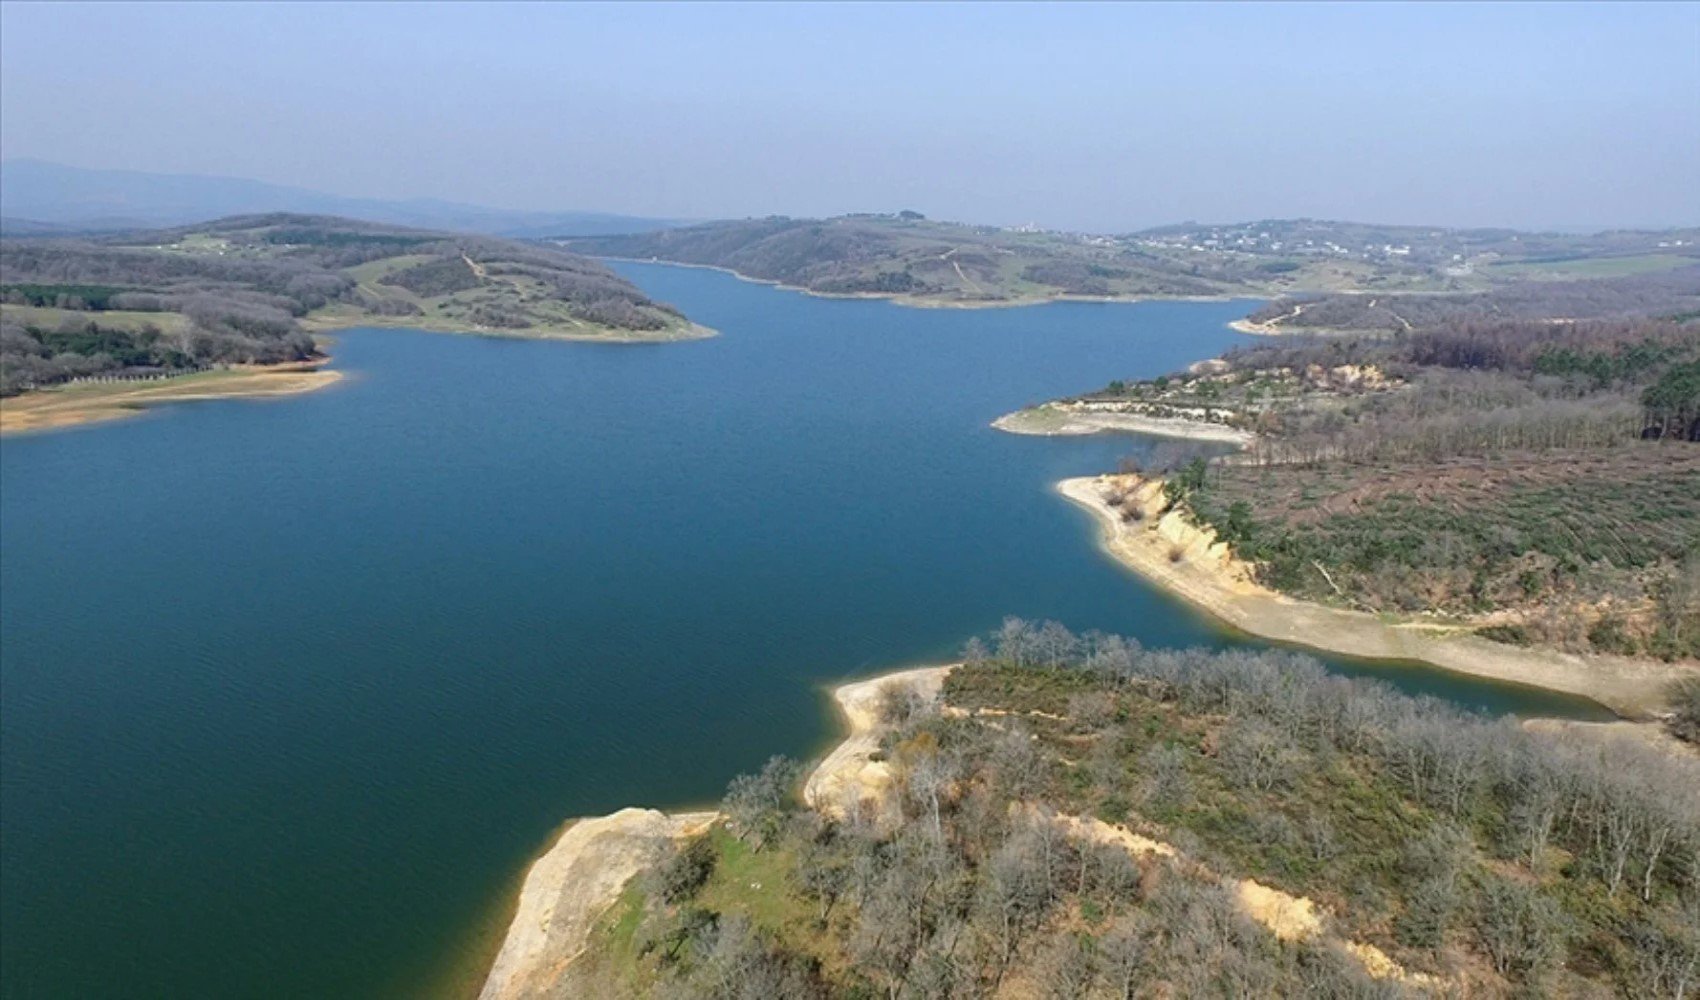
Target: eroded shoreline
pixel 583 873
pixel 82 404
pixel 1187 561
pixel 86 403
pixel 1060 420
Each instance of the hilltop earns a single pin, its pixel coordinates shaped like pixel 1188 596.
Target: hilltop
pixel 1075 816
pixel 252 289
pixel 921 261
pixel 1536 483
pixel 44 197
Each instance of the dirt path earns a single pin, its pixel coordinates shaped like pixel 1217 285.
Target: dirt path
pixel 477 268
pixel 1188 562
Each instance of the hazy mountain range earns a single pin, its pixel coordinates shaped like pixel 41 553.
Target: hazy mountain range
pixel 40 198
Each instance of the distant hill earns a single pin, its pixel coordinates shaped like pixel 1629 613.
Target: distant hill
pixel 917 259
pixel 34 193
pixel 251 289
pixel 30 227
pixel 910 258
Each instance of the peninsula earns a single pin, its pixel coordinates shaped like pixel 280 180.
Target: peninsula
pixel 1514 499
pixel 95 327
pixel 1064 815
pixel 917 261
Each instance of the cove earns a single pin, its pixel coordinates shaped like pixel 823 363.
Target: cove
pixel 293 690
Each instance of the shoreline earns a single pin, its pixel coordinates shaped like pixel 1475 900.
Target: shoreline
pixel 914 302
pixel 1257 329
pixel 690 331
pixel 85 404
pixel 1246 326
pixel 1055 420
pixel 1207 577
pixel 586 867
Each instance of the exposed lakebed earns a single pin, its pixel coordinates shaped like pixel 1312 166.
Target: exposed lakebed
pixel 292 690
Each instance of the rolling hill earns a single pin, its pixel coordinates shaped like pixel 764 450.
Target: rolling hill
pixel 37 194
pixel 910 258
pixel 249 289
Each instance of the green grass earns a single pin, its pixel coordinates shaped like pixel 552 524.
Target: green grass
pixel 755 883
pixel 1597 267
pixel 49 318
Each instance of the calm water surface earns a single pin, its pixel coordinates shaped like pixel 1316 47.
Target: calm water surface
pixel 292 691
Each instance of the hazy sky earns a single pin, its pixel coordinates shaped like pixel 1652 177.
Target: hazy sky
pixel 1093 117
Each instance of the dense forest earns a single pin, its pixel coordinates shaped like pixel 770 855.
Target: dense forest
pixel 1539 479
pixel 248 289
pixel 1085 818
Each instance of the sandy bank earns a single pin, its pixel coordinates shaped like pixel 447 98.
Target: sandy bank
pixel 1060 420
pixel 570 886
pixel 1187 561
pixel 1258 329
pixel 1654 736
pixel 583 873
pixel 849 777
pixel 1272 329
pixel 93 402
pixel 671 335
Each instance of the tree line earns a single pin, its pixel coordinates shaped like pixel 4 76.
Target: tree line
pixel 1491 858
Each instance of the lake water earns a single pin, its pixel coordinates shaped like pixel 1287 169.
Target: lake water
pixel 293 690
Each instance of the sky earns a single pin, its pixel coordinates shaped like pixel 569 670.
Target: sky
pixel 1092 117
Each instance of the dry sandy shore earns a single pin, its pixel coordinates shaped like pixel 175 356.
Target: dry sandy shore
pixel 583 874
pixel 1172 552
pixel 85 403
pixel 1055 420
pixel 568 889
pixel 849 775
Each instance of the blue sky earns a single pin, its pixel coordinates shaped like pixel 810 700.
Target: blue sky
pixel 1096 117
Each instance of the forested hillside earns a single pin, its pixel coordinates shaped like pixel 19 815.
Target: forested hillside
pixel 1540 480
pixel 1085 818
pixel 250 289
pixel 912 258
pixel 1672 292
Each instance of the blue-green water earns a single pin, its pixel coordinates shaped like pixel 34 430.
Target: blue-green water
pixel 291 692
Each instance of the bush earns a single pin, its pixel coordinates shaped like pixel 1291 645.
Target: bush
pixel 687 870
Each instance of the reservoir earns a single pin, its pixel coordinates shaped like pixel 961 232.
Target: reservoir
pixel 291 691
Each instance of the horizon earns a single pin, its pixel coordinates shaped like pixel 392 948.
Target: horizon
pixel 854 213
pixel 1068 118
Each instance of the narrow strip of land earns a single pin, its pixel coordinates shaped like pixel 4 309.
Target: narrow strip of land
pixel 96 402
pixel 1172 552
pixel 583 873
pixel 1062 419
